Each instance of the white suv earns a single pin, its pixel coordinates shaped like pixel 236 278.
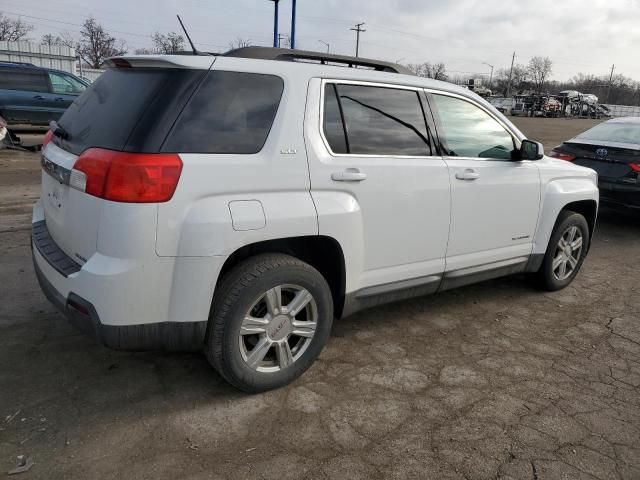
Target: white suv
pixel 236 204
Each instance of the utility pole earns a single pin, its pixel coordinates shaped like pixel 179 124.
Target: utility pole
pixel 513 59
pixel 293 24
pixel 610 82
pixel 358 29
pixel 276 37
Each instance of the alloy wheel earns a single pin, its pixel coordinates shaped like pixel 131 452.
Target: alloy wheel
pixel 278 328
pixel 567 254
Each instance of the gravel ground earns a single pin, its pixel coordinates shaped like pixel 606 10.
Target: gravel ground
pixel 495 380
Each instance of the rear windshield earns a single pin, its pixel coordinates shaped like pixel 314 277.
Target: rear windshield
pixel 154 109
pixel 130 109
pixel 613 132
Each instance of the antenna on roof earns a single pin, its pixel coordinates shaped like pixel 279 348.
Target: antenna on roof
pixel 193 47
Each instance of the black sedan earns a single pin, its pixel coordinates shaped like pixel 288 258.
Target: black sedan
pixel 612 149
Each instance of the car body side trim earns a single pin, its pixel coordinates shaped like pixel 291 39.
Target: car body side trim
pixel 399 285
pixel 417 287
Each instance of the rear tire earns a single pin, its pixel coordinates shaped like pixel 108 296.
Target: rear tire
pixel 565 253
pixel 270 318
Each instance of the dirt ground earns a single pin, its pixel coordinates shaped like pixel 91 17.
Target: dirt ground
pixel 495 380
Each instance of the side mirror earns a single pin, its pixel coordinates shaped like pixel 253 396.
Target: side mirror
pixel 530 150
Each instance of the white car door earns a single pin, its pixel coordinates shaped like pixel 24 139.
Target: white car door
pixel 494 199
pixel 378 184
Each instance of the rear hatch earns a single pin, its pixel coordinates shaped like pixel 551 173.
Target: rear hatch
pixel 126 110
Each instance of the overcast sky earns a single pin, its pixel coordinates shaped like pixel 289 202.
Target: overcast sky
pixel 578 35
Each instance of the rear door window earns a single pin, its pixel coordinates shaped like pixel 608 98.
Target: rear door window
pixel 23 79
pixel 378 121
pixel 334 129
pixel 231 112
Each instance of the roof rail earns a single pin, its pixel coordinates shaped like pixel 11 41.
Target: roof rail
pixel 11 62
pixel 291 55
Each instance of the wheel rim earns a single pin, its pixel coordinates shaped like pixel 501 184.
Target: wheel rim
pixel 278 328
pixel 567 254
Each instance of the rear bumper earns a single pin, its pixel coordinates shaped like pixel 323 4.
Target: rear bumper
pixel 623 195
pixel 148 336
pixel 144 303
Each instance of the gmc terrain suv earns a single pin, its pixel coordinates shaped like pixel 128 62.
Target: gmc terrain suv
pixel 236 204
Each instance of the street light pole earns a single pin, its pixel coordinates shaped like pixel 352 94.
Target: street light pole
pixel 275 22
pixel 325 43
pixel 293 24
pixel 491 76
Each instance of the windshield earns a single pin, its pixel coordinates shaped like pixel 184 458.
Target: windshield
pixel 613 132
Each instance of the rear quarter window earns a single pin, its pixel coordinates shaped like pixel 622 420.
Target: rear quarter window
pixel 19 79
pixel 231 112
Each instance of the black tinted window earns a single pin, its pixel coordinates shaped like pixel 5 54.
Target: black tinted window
pixel 333 128
pixel 383 121
pixel 231 112
pixel 469 131
pixel 128 109
pixel 19 79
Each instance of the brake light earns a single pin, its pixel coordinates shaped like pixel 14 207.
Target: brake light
pixel 567 157
pixel 127 177
pixel 47 138
pixel 635 167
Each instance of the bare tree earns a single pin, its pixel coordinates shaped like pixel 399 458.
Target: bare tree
pixel 63 40
pixel 13 29
pixel 169 43
pixel 519 79
pixel 437 71
pixel 539 69
pixel 239 43
pixel 96 45
pixel 144 51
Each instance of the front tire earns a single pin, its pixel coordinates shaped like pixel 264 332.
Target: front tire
pixel 270 318
pixel 566 251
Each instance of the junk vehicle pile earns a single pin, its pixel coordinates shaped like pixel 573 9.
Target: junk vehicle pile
pixel 568 103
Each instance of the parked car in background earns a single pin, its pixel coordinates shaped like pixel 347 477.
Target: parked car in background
pixel 612 149
pixel 33 96
pixel 235 204
pixel 3 131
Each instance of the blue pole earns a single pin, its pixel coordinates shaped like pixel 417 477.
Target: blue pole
pixel 275 23
pixel 293 24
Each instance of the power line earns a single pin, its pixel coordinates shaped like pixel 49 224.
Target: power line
pixel 81 25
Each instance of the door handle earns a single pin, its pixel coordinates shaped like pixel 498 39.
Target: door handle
pixel 39 97
pixel 59 99
pixel 468 174
pixel 349 175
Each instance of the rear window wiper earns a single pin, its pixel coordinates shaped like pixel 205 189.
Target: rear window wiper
pixel 58 130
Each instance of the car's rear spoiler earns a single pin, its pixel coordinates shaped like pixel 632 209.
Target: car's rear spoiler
pixel 161 61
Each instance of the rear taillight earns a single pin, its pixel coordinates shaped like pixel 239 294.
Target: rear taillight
pixel 635 167
pixel 47 138
pixel 562 155
pixel 127 177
